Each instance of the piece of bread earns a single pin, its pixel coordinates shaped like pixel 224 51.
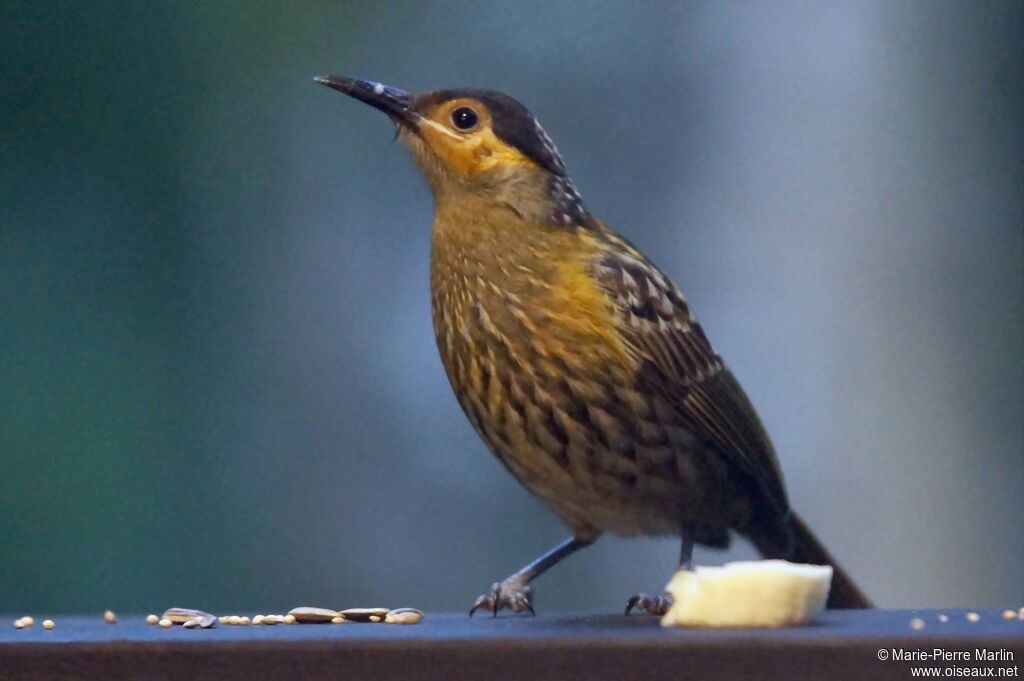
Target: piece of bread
pixel 762 593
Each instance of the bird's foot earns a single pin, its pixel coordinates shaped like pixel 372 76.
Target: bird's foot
pixel 652 605
pixel 512 594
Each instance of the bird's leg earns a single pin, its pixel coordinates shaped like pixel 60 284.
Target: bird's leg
pixel 685 553
pixel 659 605
pixel 514 592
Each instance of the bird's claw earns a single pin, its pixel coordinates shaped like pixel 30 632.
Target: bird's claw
pixel 509 594
pixel 656 605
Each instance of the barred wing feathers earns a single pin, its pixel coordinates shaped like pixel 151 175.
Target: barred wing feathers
pixel 679 363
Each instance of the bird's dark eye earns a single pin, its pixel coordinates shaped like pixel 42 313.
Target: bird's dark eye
pixel 464 118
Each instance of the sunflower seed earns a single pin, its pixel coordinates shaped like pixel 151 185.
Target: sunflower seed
pixel 404 616
pixel 183 615
pixel 307 615
pixel 365 614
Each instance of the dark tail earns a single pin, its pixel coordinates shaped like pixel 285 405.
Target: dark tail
pixel 807 549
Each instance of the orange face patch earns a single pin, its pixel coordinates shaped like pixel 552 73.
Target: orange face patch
pixel 460 134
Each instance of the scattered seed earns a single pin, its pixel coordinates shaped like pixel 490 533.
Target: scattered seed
pixel 166 623
pixel 234 620
pixel 224 619
pixel 109 617
pixel 272 619
pixel 365 614
pixel 48 624
pixel 182 615
pixel 192 623
pixel 1020 613
pixel 258 619
pixel 179 615
pixel 152 619
pixel 306 615
pixel 19 624
pixel 398 611
pixel 338 620
pixel 289 619
pixel 917 624
pixel 973 617
pixel 1009 615
pixel 943 618
pixel 27 619
pixel 404 616
pixel 244 621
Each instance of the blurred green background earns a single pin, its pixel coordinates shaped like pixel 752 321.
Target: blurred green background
pixel 218 381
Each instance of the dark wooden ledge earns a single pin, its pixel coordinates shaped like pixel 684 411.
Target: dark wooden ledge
pixel 844 645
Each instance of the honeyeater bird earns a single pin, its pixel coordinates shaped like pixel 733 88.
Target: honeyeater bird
pixel 575 358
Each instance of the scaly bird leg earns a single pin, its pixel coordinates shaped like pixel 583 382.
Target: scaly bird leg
pixel 659 605
pixel 514 592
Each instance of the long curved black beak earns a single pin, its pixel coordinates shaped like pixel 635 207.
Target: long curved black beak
pixel 394 102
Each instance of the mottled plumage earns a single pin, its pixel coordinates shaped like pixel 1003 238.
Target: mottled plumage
pixel 580 365
pixel 577 361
